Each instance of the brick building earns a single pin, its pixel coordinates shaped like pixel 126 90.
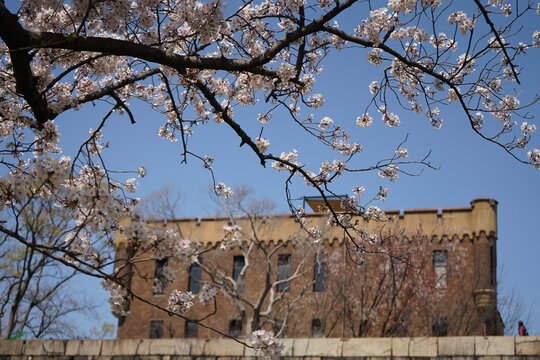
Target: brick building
pixel 440 278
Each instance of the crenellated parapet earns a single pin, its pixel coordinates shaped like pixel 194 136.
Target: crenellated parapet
pixel 436 225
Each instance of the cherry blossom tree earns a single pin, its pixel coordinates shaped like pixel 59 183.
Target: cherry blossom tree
pixel 195 62
pixel 396 291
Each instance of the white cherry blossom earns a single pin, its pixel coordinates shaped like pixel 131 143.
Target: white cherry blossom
pixel 180 302
pixel 265 344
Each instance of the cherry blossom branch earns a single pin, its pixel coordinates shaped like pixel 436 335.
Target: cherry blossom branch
pixel 498 37
pixel 107 90
pixel 430 72
pixel 13 34
pixel 64 73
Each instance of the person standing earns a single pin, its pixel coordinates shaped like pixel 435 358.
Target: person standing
pixel 522 330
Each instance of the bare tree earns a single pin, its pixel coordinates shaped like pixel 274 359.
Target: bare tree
pixel 36 298
pixel 276 273
pixel 163 203
pixel 277 270
pixel 512 306
pixel 397 291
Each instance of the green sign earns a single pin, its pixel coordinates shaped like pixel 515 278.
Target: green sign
pixel 17 335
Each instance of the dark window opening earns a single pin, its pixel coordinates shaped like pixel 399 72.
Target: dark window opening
pixel 156 329
pixel 238 264
pixel 439 257
pixel 279 325
pixel 121 320
pixel 235 328
pixel 440 327
pixel 284 272
pixel 492 265
pixel 320 274
pixel 316 328
pixel 160 281
pixel 191 329
pixel 195 273
pixel 439 265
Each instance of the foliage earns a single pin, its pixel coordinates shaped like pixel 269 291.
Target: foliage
pixel 106 331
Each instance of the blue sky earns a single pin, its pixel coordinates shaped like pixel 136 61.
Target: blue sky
pixel 469 166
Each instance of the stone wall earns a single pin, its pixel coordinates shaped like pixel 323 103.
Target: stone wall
pixel 447 348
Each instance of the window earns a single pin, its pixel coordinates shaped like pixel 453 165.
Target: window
pixel 160 281
pixel 492 265
pixel 284 272
pixel 320 273
pixel 279 327
pixel 156 329
pixel 440 327
pixel 439 265
pixel 316 328
pixel 195 273
pixel 235 328
pixel 238 264
pixel 191 329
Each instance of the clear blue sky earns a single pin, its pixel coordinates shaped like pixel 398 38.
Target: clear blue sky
pixel 469 166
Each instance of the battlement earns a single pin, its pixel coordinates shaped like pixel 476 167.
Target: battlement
pixel 435 224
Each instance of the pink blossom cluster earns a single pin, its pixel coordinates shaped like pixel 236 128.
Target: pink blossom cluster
pixel 79 248
pixel 118 299
pixel 208 293
pixel 262 144
pixel 162 282
pixel 232 236
pixel 441 41
pixel 330 169
pixel 534 157
pixel 389 119
pixel 340 219
pixel 161 243
pixel 391 172
pixel 265 345
pixel 364 121
pixel 373 212
pixel 180 302
pixel 223 190
pixel 349 203
pixel 290 157
pixel 402 152
pixel 461 19
pixel 315 233
pixel 379 20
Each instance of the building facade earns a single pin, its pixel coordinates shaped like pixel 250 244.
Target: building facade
pixel 425 272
